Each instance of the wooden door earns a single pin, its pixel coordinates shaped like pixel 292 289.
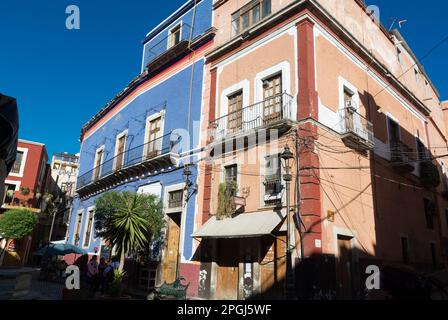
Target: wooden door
pixel 273 269
pixel 153 135
pixel 344 268
pixel 272 89
pixel 120 152
pixel 172 250
pixel 235 120
pixel 227 277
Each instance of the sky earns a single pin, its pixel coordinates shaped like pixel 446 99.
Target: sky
pixel 62 77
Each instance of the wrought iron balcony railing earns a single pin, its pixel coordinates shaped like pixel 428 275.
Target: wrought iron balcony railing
pixel 266 113
pixel 170 46
pixel 357 131
pixel 132 157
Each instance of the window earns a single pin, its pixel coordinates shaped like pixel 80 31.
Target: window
pixel 273 182
pixel 249 15
pixel 417 76
pixel 272 89
pixel 66 187
pixel 446 216
pixel 235 120
pixel 421 150
pixel 57 166
pixel 350 110
pixel 120 151
pixel 432 248
pixel 16 168
pixel 9 193
pixel 77 228
pixel 429 213
pixel 175 36
pixel 405 250
pixel 399 56
pixel 231 173
pixel 88 231
pixel 98 162
pixel 175 199
pixel 154 131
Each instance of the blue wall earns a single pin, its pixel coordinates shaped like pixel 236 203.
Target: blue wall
pixel 203 21
pixel 171 95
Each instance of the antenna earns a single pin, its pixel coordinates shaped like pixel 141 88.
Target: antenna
pixel 397 21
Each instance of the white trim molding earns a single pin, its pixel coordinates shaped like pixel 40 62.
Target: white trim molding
pixel 119 136
pixel 86 224
pixel 22 164
pixel 161 114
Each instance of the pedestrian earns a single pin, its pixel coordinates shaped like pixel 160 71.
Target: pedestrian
pixel 92 276
pixel 102 275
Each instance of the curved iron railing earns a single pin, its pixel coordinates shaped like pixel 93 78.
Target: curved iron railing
pixel 264 113
pixel 129 158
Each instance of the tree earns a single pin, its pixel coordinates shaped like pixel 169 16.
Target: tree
pixel 128 220
pixel 18 223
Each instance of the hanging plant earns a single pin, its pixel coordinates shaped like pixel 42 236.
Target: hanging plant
pixel 226 205
pixel 25 191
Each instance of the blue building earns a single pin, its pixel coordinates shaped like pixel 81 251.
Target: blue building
pixel 142 139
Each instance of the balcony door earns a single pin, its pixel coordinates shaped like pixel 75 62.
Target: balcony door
pixel 98 162
pixel 272 90
pixel 235 120
pixel 154 131
pixel 349 111
pixel 121 145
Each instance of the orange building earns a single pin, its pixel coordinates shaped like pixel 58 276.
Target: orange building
pixel 368 187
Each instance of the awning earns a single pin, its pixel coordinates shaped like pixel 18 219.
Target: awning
pixel 246 225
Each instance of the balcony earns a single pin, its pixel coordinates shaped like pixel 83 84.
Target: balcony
pixel 357 131
pixel 273 113
pixel 169 48
pixel 402 157
pixel 149 158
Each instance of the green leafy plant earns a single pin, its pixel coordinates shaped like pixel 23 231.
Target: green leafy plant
pixel 25 191
pixel 226 206
pixel 18 223
pixel 128 221
pixel 116 287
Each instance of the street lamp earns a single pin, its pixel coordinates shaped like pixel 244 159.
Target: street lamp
pixel 287 156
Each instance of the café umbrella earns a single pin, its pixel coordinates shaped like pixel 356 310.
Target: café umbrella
pixel 59 249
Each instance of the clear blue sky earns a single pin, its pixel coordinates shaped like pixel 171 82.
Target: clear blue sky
pixel 61 78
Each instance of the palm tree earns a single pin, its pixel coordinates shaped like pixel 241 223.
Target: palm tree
pixel 128 220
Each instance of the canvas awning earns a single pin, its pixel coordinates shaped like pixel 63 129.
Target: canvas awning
pixel 247 225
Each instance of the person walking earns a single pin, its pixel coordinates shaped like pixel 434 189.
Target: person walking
pixel 102 275
pixel 92 276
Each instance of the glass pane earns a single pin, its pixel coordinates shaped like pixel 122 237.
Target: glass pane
pixel 266 8
pixel 236 23
pixel 245 21
pixel 255 14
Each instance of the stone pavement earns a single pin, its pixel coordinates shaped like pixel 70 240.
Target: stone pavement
pixel 44 290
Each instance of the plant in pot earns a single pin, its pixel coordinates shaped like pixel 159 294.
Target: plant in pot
pixel 128 221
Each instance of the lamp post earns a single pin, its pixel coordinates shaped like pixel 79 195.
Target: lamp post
pixel 287 156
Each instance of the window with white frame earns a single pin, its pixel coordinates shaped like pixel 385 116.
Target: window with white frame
pixel 18 167
pixel 273 177
pixel 120 149
pixel 175 35
pixel 77 230
pixel 89 227
pixel 153 135
pixel 99 157
pixel 175 199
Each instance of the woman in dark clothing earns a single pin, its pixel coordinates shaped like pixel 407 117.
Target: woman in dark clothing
pixel 102 276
